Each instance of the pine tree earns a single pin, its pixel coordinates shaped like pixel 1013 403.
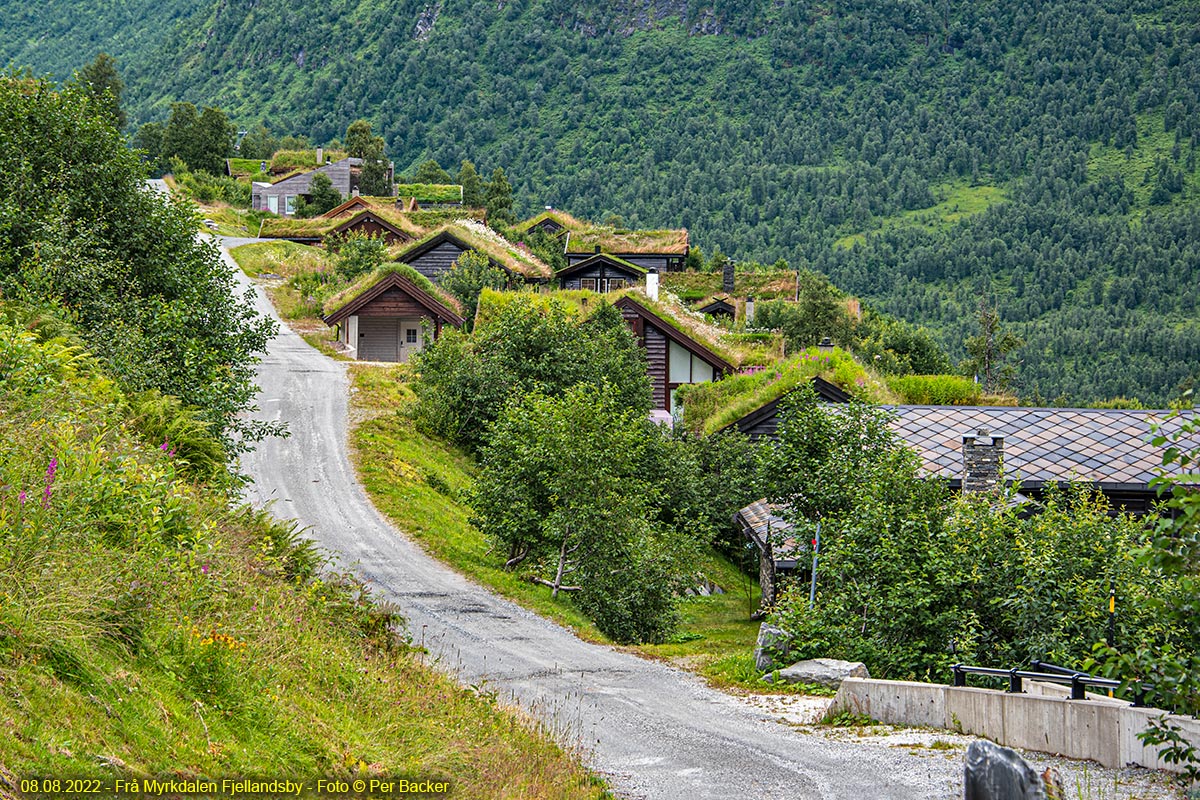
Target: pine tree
pixel 471 184
pixel 101 80
pixel 498 199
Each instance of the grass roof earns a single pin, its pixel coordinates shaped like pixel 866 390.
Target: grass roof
pixel 708 407
pixel 431 192
pixel 561 217
pixel 296 228
pixel 479 237
pixel 761 285
pixel 617 240
pixel 740 350
pixel 363 284
pixel 577 302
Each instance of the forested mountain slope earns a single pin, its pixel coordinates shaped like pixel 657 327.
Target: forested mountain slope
pixel 922 154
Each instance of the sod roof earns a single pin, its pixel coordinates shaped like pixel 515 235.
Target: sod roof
pixel 561 217
pixel 367 282
pixel 616 240
pixel 709 407
pixel 431 192
pixel 477 236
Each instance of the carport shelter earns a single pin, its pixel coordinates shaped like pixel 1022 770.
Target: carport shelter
pixel 380 318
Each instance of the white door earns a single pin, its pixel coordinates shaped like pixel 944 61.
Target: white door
pixel 412 338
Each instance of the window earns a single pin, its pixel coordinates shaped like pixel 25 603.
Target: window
pixel 589 284
pixel 273 203
pixel 289 204
pixel 615 284
pixel 410 335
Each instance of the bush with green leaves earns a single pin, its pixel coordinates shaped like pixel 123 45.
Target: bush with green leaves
pixel 1165 669
pixel 471 274
pixel 562 489
pixel 356 253
pixel 911 581
pixel 530 346
pixel 83 234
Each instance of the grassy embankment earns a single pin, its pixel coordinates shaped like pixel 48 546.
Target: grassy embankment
pixel 149 629
pixel 421 483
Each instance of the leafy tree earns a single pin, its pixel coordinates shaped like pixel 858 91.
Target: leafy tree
pixel 431 172
pixel 323 196
pixel 83 235
pixel 258 143
pixel 472 185
pixel 819 312
pixel 103 83
pixel 356 253
pixel 149 140
pixel 498 199
pixel 471 274
pixel 202 140
pixel 529 346
pixel 1168 665
pixel 989 350
pixel 560 488
pixel 361 142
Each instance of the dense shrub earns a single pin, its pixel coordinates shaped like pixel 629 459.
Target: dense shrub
pixel 938 390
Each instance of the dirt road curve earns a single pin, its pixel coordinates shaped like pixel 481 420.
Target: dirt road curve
pixel 653 731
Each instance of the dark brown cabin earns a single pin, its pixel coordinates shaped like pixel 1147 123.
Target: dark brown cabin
pixel 600 273
pixel 384 322
pixel 719 307
pixel 369 223
pixel 672 357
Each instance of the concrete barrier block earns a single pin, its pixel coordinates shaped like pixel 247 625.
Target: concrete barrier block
pixel 1131 750
pixel 976 711
pixel 1035 723
pixel 1092 730
pixel 894 702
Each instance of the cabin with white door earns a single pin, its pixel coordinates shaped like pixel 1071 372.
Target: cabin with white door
pixel 390 316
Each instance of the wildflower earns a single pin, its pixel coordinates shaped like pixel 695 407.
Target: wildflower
pixel 165 445
pixel 204 569
pixel 50 472
pixel 21 497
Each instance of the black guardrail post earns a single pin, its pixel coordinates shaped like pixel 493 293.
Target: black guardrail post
pixel 960 676
pixel 1014 681
pixel 1078 690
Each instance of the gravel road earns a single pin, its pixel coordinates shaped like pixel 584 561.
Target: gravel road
pixel 653 731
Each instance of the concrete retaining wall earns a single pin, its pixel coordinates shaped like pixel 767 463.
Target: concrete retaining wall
pixel 1043 718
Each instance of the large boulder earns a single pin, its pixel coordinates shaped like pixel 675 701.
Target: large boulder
pixel 825 671
pixel 997 773
pixel 773 647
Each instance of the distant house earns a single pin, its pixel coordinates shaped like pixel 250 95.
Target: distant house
pixel 353 216
pixel 779 550
pixel 552 222
pixel 718 306
pixel 436 253
pixel 282 196
pixel 600 273
pixel 673 357
pixel 664 250
pixel 386 316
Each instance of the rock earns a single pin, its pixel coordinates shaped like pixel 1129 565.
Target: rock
pixel 825 671
pixel 997 773
pixel 773 647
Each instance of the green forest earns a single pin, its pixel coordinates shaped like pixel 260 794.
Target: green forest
pixel 924 156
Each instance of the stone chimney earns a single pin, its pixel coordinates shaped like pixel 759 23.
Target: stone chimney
pixel 320 156
pixel 652 284
pixel 749 310
pixel 983 458
pixel 727 278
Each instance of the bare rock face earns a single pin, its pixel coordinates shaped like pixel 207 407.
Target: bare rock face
pixel 998 773
pixel 824 671
pixel 773 647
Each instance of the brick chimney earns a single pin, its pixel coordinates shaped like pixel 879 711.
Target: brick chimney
pixel 727 278
pixel 983 459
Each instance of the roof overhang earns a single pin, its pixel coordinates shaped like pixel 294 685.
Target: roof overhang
pixel 394 280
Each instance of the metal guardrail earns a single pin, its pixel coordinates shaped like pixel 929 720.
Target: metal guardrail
pixel 1049 673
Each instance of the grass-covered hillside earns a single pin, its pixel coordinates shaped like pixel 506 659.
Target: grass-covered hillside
pixel 147 628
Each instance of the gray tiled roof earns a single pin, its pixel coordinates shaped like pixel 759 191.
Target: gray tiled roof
pixel 1041 444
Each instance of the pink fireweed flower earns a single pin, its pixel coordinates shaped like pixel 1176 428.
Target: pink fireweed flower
pixel 21 497
pixel 50 473
pixel 165 445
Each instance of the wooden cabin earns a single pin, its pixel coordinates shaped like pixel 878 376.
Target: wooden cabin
pixel 663 251
pixel 719 307
pixel 673 358
pixel 281 197
pixel 386 319
pixel 600 273
pixel 434 255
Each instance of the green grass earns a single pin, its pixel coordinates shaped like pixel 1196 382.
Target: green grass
pixel 285 259
pixel 149 629
pixel 956 201
pixel 1152 143
pixel 249 168
pixel 431 192
pixel 232 221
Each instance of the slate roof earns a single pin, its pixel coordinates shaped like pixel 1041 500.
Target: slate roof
pixel 1104 446
pixel 761 518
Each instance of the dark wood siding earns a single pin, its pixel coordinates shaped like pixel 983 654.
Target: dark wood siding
pixel 600 272
pixel 437 261
pixel 393 303
pixel 660 262
pixel 655 342
pixel 765 428
pixel 370 226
